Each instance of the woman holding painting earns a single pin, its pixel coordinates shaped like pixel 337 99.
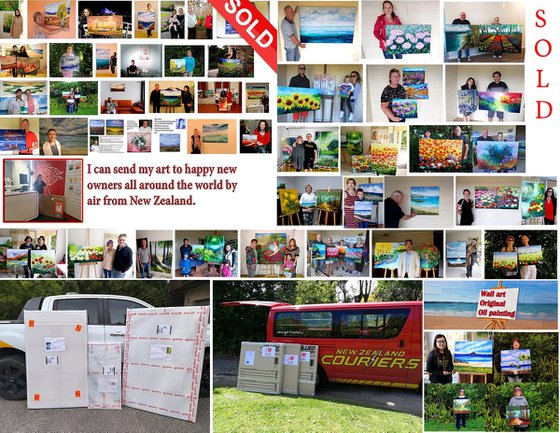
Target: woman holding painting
pixel 440 361
pixel 388 17
pixel 509 248
pixel 392 91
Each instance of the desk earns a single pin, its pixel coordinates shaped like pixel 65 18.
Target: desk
pixel 21 206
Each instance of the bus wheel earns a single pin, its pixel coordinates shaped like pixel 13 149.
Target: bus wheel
pixel 321 378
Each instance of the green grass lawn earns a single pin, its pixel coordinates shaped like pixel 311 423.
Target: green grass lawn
pixel 239 411
pixel 476 424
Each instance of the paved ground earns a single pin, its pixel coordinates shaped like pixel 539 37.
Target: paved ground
pixel 16 418
pixel 400 400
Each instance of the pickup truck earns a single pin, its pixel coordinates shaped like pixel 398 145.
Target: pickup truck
pixel 106 324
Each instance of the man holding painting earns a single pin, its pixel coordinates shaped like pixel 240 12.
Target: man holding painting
pixel 289 33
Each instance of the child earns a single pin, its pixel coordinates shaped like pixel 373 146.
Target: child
pixel 345 91
pixel 361 223
pixel 289 266
pixel 461 418
pixel 186 266
pixel 226 269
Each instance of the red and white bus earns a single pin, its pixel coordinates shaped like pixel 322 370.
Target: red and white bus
pixel 364 343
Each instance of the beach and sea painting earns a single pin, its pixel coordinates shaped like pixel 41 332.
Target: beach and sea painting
pixel 372 191
pixel 146 20
pixel 386 254
pixel 417 91
pixel 515 361
pixel 499 197
pixel 354 254
pixel 408 39
pixel 503 38
pixel 271 247
pixel 456 253
pixel 461 406
pixel 424 200
pixel 215 133
pixel 289 203
pixel 439 155
pixel 318 251
pixel 384 158
pixel 354 144
pixel 214 249
pixel 532 255
pixel 505 261
pixel 170 98
pixel 405 108
pixel 72 132
pixel 412 76
pixel 12 140
pixel 327 25
pixel 497 155
pixel 102 59
pixel 473 356
pixel 329 200
pixel 467 101
pixel 495 101
pixel 532 199
pixel 363 210
pixel 295 100
pixel 458 37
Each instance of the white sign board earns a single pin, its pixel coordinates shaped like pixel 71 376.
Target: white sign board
pixel 497 303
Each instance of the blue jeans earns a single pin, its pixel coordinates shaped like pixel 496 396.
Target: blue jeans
pixel 500 114
pixel 117 274
pixel 388 55
pixel 144 270
pixel 263 149
pixel 106 273
pixel 292 54
pixel 460 418
pixel 467 53
pixel 318 265
pixel 363 224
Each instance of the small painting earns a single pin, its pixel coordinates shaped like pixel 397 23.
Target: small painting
pixel 271 247
pixel 12 140
pixel 497 155
pixel 384 158
pixel 329 200
pixel 424 200
pixel 354 254
pixel 198 252
pixel 102 59
pixel 531 255
pixel 214 249
pixel 84 254
pixel 170 98
pixel 17 257
pixel 96 127
pixel 162 256
pixel 363 210
pixel 408 39
pixel 372 191
pixel 461 406
pixel 386 254
pixel 178 66
pixel 120 87
pixel 362 164
pixel 473 356
pixel 43 262
pixel 327 25
pixel 169 142
pixel 139 142
pixel 295 100
pixel 456 253
pixel 6 242
pixel 354 145
pixel 518 416
pixel 332 252
pixel 532 199
pixel 502 197
pixel 515 361
pixel 439 155
pixel 458 37
pixel 417 91
pixel 115 126
pixel 318 251
pixel 215 133
pixel 146 20
pixel 467 101
pixel 289 203
pixel 69 64
pixel 405 108
pixel 495 101
pixel 502 38
pixel 230 68
pixel 230 31
pixel 107 26
pixel 57 15
pixel 413 76
pixel 505 261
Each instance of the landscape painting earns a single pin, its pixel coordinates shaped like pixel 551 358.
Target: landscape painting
pixel 327 25
pixel 495 101
pixel 354 145
pixel 531 255
pixel 12 140
pixel 501 197
pixel 329 200
pixel 102 59
pixel 458 37
pixel 408 39
pixel 503 38
pixel 169 142
pixel 289 203
pixel 178 66
pixel 57 15
pixel 17 257
pixel 456 253
pixel 386 254
pixel 363 210
pixel 424 200
pixel 318 251
pixel 295 100
pixel 354 254
pixel 162 257
pixel 146 20
pixel 170 98
pixel 517 416
pixel 515 361
pixel 43 262
pixel 497 155
pixel 461 406
pixel 412 76
pixel 115 126
pixel 327 147
pixel 384 158
pixel 85 254
pixel 417 91
pixel 362 164
pixel 6 242
pixel 473 356
pixel 372 191
pixel 532 199
pixel 214 249
pixel 271 247
pixel 439 155
pixel 215 133
pixel 405 108
pixel 505 261
pixel 107 26
pixel 96 127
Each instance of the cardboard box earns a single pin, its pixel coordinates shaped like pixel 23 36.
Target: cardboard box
pixel 51 205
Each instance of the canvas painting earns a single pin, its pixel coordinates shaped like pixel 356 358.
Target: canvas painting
pixel 503 197
pixel 327 25
pixel 458 37
pixel 115 126
pixel 439 155
pixel 12 140
pixel 456 253
pixel 84 254
pixel 17 257
pixel 170 98
pixel 503 38
pixel 531 255
pixel 230 31
pixel 105 26
pixel 505 261
pixel 271 247
pixel 3 261
pixel 363 210
pixel 497 155
pixel 405 108
pixel 327 146
pixel 96 127
pixel 139 142
pixel 354 254
pixel 386 254
pixel 198 252
pixel 408 39
pixel 515 361
pixel 354 145
pixel 326 83
pixel 215 133
pixel 372 191
pixel 329 200
pixel 467 101
pixel 318 251
pixel 255 92
pixel 70 64
pixel 178 66
pixel 461 406
pixel 6 242
pixel 362 164
pixel 230 68
pixel 289 203
pixel 57 14
pixel 413 76
pixel 495 101
pixel 417 91
pixel 43 262
pixel 170 142
pixel 424 200
pixel 518 415
pixel 146 20
pixel 532 199
pixel 214 249
pixel 384 158
pixel 332 252
pixel 162 256
pixel 120 87
pixel 473 356
pixel 295 100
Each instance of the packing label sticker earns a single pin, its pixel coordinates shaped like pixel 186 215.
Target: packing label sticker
pixel 164 329
pixel 268 351
pixel 109 370
pixel 51 360
pixel 108 385
pixel 305 356
pixel 290 359
pixel 249 358
pixel 55 344
pixel 161 351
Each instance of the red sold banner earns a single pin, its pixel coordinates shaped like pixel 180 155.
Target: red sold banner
pixel 252 26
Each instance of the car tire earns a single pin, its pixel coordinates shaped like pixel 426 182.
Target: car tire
pixel 13 383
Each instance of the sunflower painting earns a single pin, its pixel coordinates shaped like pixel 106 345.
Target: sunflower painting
pixel 295 100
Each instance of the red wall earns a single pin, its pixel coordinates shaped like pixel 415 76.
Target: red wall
pixel 54 174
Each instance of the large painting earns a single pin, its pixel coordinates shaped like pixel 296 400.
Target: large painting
pixel 289 203
pixel 439 155
pixel 503 38
pixel 458 37
pixel 170 98
pixel 497 155
pixel 105 26
pixel 57 14
pixel 162 256
pixel 473 356
pixel 329 200
pixel 456 253
pixel 214 249
pixel 515 361
pixel 354 144
pixel 531 255
pixel 424 200
pixel 532 199
pixel 327 25
pixel 412 76
pixel 495 101
pixel 43 262
pixel 500 197
pixel 405 108
pixel 85 254
pixel 215 133
pixel 505 261
pixel 386 254
pixel 467 101
pixel 12 140
pixel 408 39
pixel 295 100
pixel 327 146
pixel 146 20
pixel 363 210
pixel 372 191
pixel 230 68
pixel 384 158
pixel 270 247
pixel 518 415
pixel 178 66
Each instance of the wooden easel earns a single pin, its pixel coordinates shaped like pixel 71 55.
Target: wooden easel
pixel 88 267
pixel 290 218
pixel 391 271
pixel 325 214
pixel 497 323
pixel 427 271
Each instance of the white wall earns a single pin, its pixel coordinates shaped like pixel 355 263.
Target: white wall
pixel 464 236
pixel 323 182
pixel 295 130
pixel 418 237
pixel 197 238
pixel 411 12
pixel 429 110
pixel 247 235
pixel 490 217
pixel 132 90
pixel 219 22
pixel 446 203
pixel 457 75
pixel 321 52
pixel 135 52
pixel 18 236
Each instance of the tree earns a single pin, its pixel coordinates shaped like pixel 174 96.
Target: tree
pixel 386 291
pixel 365 291
pixel 316 292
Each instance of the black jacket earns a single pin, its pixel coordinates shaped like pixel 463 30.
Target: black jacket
pixel 123 259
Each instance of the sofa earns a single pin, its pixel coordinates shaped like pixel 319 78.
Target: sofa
pixel 125 106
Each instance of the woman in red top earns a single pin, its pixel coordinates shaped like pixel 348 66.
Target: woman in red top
pixel 263 137
pixel 388 17
pixel 208 25
pixel 350 197
pixel 549 207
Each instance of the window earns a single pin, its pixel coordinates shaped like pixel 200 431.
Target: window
pixel 117 310
pixel 303 324
pixel 379 324
pixel 89 304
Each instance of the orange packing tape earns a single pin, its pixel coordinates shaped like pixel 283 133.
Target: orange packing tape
pixel 78 328
pixel 36 397
pixel 77 393
pixel 31 323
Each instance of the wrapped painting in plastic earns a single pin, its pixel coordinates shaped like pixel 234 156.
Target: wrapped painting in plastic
pixel 163 358
pixel 104 375
pixel 56 358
